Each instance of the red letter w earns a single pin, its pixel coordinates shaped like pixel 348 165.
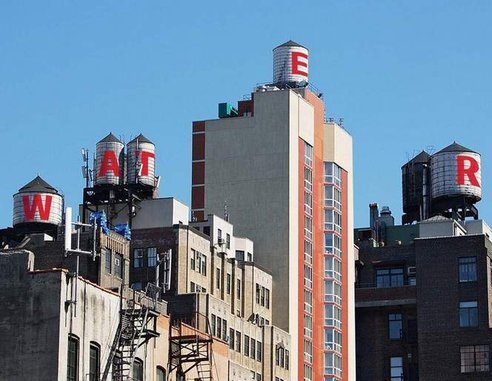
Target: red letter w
pixel 37 204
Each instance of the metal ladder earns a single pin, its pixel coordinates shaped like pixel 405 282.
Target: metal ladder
pixel 132 332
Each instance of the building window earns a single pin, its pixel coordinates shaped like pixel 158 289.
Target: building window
pixel 469 314
pixel 224 329
pixel 229 281
pixel 161 374
pixel 94 364
pixel 308 154
pixel 151 256
pixel 238 288
pixel 333 316
pixel 259 351
pixel 193 260
pixel 240 255
pixel 219 327
pixel 252 351
pixel 118 265
pixel 228 241
pixel 467 269
pixel 390 277
pixel 198 262
pixel 214 321
pixel 138 370
pixel 238 341
pixel 333 340
pixel 474 358
pixel 138 258
pixel 217 278
pixel 257 293
pixel 396 368
pixel 73 359
pixel 490 271
pixel 267 298
pixel 231 338
pixel 395 326
pixel 246 345
pixel 107 260
pixel 333 364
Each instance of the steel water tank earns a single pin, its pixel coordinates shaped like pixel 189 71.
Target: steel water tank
pixel 456 171
pixel 141 161
pixel 109 166
pixel 290 64
pixel 38 202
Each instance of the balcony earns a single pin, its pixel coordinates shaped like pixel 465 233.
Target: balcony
pixel 368 295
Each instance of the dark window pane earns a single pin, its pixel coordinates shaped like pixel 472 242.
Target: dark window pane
pixel 161 374
pixel 395 326
pixel 73 359
pixel 467 269
pixel 94 363
pixel 138 370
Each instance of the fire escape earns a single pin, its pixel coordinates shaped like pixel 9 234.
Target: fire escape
pixel 137 326
pixel 191 347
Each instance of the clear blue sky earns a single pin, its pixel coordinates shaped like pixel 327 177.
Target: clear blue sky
pixel 405 75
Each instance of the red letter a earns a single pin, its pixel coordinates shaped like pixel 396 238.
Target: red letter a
pixel 109 163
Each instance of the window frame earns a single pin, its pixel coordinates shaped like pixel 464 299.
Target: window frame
pixel 468 314
pixel 74 354
pixel 94 374
pixel 465 267
pixel 138 365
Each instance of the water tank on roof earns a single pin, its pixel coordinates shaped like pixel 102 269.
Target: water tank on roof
pixel 290 64
pixel 109 166
pixel 37 202
pixel 456 172
pixel 415 175
pixel 141 161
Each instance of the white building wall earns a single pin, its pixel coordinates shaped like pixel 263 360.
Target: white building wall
pixel 338 149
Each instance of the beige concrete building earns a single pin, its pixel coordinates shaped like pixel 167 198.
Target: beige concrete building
pixel 285 175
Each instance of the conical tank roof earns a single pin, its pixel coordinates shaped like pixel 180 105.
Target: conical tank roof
pixel 141 139
pixel 38 185
pixel 110 139
pixel 422 157
pixel 455 147
pixel 290 43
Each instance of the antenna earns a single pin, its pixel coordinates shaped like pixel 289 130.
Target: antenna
pixel 85 167
pixel 68 229
pixel 78 227
pixel 226 214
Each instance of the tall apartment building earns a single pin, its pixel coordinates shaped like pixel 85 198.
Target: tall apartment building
pixel 283 174
pixel 424 288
